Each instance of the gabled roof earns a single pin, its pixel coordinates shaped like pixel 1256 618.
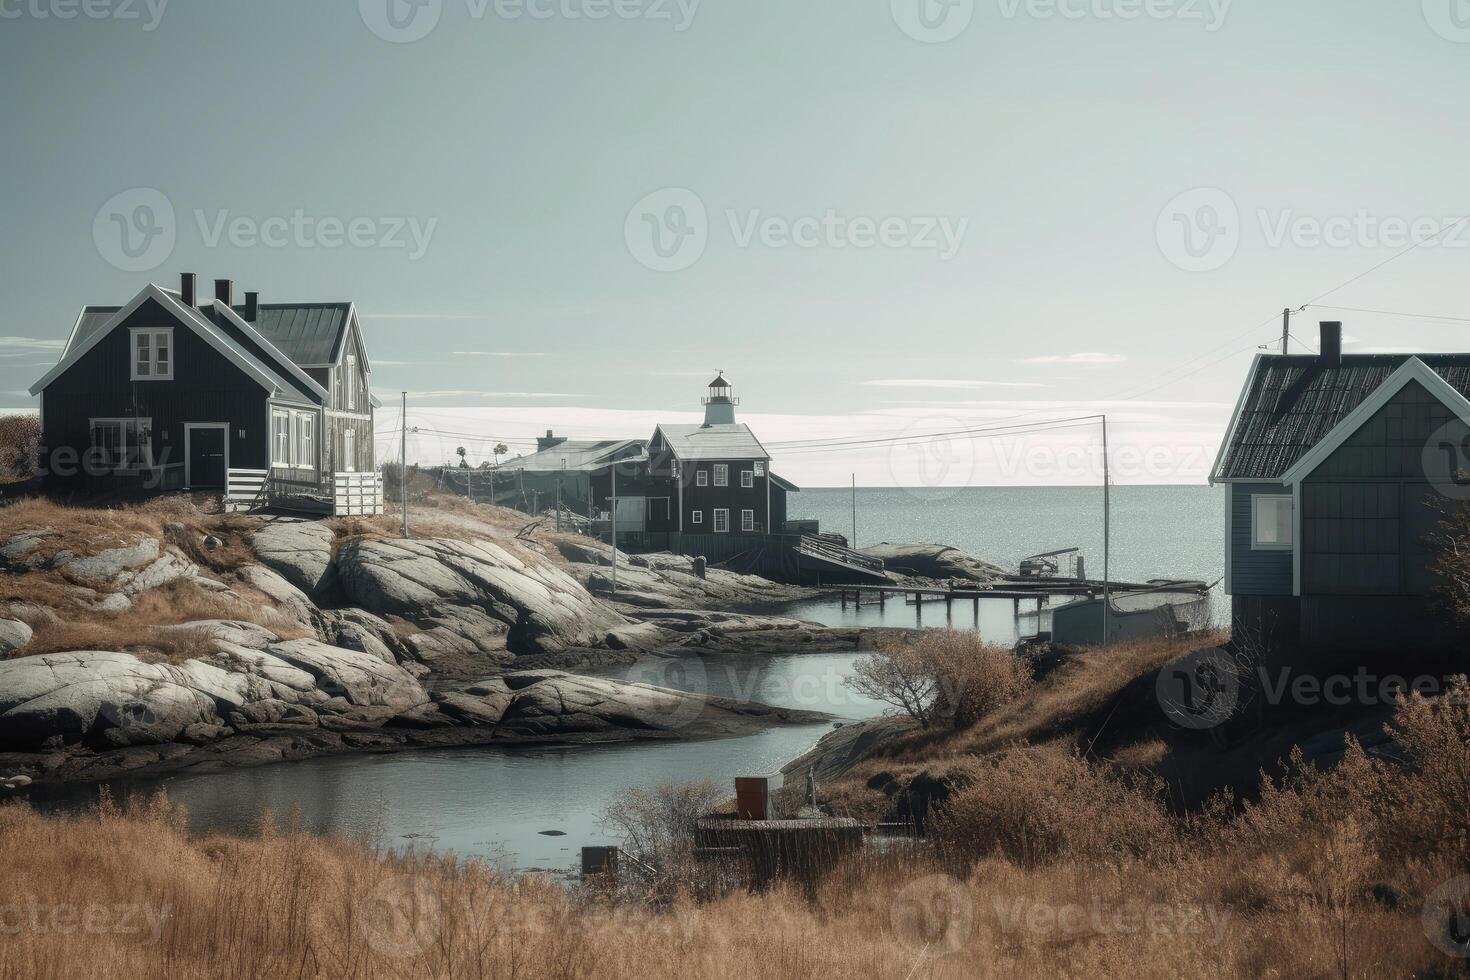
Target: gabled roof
pixel 311 334
pixel 229 321
pixel 266 376
pixel 1292 403
pixel 785 484
pixel 724 441
pixel 578 456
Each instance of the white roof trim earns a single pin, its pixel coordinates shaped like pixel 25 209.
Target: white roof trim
pixel 71 338
pixel 167 300
pixel 1411 370
pixel 270 348
pixel 1250 380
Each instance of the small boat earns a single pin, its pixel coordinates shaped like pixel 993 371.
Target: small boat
pixel 1172 609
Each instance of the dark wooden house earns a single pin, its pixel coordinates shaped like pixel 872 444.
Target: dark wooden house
pixel 261 400
pixel 1335 469
pixel 713 478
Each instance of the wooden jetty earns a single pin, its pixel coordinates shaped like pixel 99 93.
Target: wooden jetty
pixel 1016 589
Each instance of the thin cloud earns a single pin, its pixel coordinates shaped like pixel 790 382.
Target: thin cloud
pixel 498 353
pixel 423 316
pixel 465 393
pixel 31 343
pixel 1085 359
pixel 946 383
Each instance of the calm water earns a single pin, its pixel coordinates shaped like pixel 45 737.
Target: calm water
pixel 495 803
pixel 1157 532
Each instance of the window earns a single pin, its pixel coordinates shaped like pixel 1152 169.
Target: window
pixel 293 439
pixel 123 444
pixel 1272 522
pixel 698 517
pixel 349 451
pixel 747 479
pixel 722 474
pixel 153 355
pixel 701 478
pixel 760 469
pixel 303 451
pixel 747 520
pixel 281 438
pixel 350 382
pixel 722 521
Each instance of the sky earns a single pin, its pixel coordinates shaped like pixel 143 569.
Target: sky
pixel 879 218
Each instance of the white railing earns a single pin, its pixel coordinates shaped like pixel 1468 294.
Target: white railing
pixel 357 494
pixel 245 489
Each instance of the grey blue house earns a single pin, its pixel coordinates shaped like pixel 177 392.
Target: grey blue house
pixel 1336 467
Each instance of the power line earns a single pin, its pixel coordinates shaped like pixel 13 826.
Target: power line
pixel 1411 316
pixel 1393 258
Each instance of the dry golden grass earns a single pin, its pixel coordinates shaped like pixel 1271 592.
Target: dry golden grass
pixel 153 902
pixel 134 631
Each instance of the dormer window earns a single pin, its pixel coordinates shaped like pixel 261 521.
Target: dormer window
pixel 153 354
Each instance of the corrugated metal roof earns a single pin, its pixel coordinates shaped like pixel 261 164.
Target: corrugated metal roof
pixel 92 319
pixel 577 455
pixel 1294 401
pixel 727 441
pixel 308 333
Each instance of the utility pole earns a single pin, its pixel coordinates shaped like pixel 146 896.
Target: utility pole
pixel 854 511
pixel 615 527
pixel 403 465
pixel 1107 535
pixel 1285 328
pixel 559 480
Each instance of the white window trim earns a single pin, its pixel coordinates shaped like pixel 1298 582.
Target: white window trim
pixel 698 517
pixel 152 333
pixel 722 474
pixel 701 478
pixel 349 450
pixel 145 461
pixel 351 382
pixel 1256 543
pixel 760 469
pixel 282 415
pixel 747 520
pixel 747 479
pixel 303 440
pixel 725 513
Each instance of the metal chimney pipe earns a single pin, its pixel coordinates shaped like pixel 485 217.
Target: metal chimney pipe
pixel 252 307
pixel 224 291
pixel 186 288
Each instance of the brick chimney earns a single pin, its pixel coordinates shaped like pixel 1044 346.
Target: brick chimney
pixel 549 441
pixel 1330 350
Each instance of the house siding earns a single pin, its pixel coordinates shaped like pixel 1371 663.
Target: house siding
pixel 1254 572
pixel 1368 510
pixel 206 388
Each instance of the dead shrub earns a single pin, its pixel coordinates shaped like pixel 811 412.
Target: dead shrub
pixel 975 678
pixel 20 445
pixel 1036 805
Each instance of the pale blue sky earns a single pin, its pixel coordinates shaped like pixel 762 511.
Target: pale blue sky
pixel 518 147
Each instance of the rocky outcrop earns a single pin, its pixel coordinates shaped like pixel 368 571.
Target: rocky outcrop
pixel 935 561
pixel 301 552
pixel 13 635
pixel 667 581
pixel 483 593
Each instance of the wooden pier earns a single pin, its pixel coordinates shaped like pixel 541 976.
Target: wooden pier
pixel 1039 590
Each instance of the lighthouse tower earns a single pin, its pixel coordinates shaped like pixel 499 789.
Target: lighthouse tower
pixel 719 405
